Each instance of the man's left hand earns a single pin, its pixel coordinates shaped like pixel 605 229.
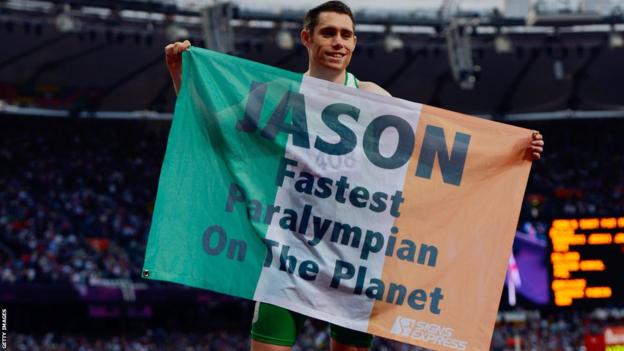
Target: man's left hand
pixel 537 146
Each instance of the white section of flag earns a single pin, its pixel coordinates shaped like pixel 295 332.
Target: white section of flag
pixel 316 298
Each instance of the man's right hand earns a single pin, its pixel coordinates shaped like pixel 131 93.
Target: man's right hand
pixel 173 58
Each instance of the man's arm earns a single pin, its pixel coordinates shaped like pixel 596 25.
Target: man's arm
pixel 173 58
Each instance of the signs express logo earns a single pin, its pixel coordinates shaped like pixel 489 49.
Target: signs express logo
pixel 428 332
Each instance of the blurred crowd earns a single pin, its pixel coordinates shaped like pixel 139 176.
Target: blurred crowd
pixel 152 340
pixel 533 332
pixel 75 199
pixel 581 173
pixel 76 195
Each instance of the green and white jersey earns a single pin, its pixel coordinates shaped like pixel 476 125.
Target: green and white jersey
pixel 350 81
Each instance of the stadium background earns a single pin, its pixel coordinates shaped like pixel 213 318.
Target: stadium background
pixel 85 108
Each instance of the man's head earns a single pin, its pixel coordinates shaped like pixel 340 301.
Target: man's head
pixel 329 35
pixel 310 21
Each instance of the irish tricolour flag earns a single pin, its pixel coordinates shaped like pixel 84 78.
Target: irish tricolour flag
pixel 370 212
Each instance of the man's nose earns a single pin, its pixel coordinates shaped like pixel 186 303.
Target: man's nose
pixel 337 42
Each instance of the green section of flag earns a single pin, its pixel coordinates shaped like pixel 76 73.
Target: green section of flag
pixel 205 155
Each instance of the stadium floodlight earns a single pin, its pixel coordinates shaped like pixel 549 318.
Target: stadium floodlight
pixel 459 48
pixel 64 21
pixel 392 42
pixel 615 40
pixel 175 32
pixel 284 39
pixel 503 44
pixel 559 14
pixel 516 8
pixel 558 70
pixel 217 31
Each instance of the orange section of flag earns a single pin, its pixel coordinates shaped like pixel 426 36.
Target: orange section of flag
pixel 472 227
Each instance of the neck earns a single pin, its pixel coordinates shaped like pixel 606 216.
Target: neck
pixel 327 74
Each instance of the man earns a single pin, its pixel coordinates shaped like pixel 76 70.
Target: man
pixel 329 36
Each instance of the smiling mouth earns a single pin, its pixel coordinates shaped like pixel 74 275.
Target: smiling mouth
pixel 335 55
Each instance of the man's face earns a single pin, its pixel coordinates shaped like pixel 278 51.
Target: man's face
pixel 332 42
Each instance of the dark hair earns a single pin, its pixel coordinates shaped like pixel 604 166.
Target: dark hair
pixel 311 18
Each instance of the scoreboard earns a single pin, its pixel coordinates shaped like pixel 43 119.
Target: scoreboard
pixel 587 260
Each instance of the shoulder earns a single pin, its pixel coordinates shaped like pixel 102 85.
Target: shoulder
pixel 373 88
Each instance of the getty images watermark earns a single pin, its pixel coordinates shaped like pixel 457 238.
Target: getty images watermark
pixel 4 329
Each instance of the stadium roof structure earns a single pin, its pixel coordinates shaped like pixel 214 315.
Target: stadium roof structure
pixel 502 59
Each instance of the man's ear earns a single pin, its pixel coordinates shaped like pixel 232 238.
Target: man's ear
pixel 305 37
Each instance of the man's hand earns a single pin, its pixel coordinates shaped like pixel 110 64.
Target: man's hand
pixel 537 146
pixel 173 58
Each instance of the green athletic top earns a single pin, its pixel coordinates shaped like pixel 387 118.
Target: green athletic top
pixel 350 81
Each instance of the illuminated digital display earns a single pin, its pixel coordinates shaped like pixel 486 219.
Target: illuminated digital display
pixel 587 260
